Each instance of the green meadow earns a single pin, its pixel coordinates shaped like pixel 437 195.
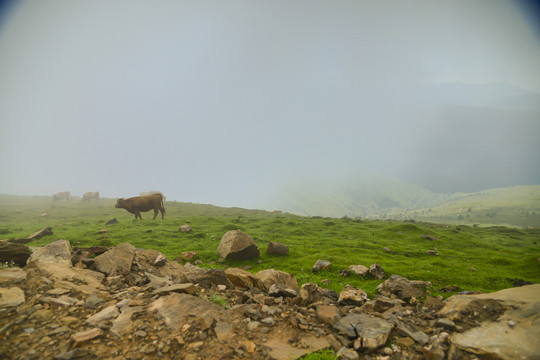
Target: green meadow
pixel 485 258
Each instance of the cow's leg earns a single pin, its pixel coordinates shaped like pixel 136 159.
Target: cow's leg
pixel 162 210
pixel 155 213
pixel 138 215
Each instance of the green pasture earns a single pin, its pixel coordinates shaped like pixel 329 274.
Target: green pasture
pixel 473 258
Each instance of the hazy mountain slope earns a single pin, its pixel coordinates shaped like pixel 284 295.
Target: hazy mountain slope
pixel 517 206
pixel 379 197
pixel 359 195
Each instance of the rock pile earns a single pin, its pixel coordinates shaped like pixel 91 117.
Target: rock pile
pixel 129 303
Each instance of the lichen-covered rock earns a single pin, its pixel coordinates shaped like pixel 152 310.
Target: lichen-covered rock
pixel 116 261
pixel 376 271
pixel 275 248
pixel 321 265
pixel 359 270
pixel 352 296
pixel 58 252
pixel 514 334
pixel 270 277
pixel 11 297
pixel 402 288
pixel 370 330
pixel 237 245
pixel 310 293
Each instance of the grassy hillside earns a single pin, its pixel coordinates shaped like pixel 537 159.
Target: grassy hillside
pixel 471 258
pixel 516 206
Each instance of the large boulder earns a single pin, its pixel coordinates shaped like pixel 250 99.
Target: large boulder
pixel 58 252
pixel 371 332
pixel 321 265
pixel 242 278
pixel 174 308
pixel 11 297
pixel 402 288
pixel 269 277
pixel 54 262
pixel 352 296
pixel 310 293
pixel 145 261
pixel 237 245
pixel 275 248
pixel 11 252
pixel 512 334
pixel 116 261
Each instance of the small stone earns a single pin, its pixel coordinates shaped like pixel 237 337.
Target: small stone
pixel 359 269
pixel 186 288
pixel 160 260
pixel 196 345
pixel 12 275
pixel 93 301
pixel 352 296
pixel 57 291
pixel 85 336
pixel 446 324
pixel 346 353
pixel 106 314
pixel 328 314
pixel 252 325
pixel 406 342
pixel 248 346
pixel 321 265
pixel 376 271
pixel 11 297
pixel 275 248
pixel 189 255
pixel 387 250
pixel 112 221
pixel 184 228
pixel 345 273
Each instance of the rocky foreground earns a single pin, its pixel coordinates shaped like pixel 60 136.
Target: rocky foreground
pixel 128 303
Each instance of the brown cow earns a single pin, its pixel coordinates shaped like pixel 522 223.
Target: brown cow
pixel 90 195
pixel 138 204
pixel 65 195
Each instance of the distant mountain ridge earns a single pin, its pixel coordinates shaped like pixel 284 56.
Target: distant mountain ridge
pixel 381 197
pixel 355 196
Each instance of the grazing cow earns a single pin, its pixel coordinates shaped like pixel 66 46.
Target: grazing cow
pixel 65 195
pixel 138 204
pixel 91 195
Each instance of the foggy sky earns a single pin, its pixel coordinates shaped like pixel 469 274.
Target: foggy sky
pixel 222 101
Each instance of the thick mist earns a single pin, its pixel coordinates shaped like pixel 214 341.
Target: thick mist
pixel 228 102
